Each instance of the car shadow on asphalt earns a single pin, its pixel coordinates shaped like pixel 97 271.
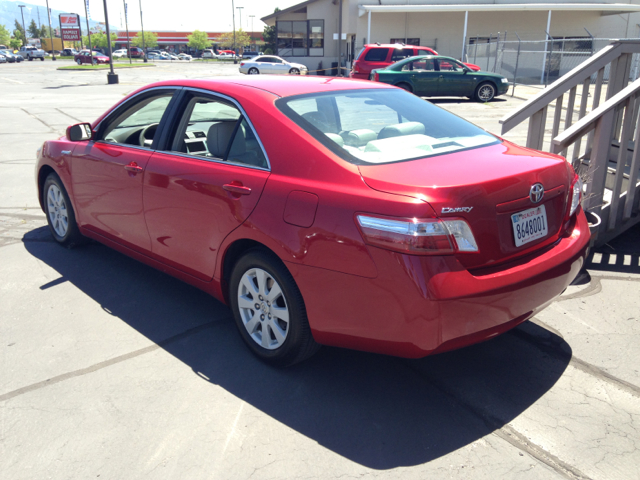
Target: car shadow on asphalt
pixel 381 412
pixel 622 254
pixel 438 100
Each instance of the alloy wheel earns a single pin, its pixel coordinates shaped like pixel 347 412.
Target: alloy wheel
pixel 486 93
pixel 263 308
pixel 57 209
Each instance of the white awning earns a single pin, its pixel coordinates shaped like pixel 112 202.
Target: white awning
pixel 603 8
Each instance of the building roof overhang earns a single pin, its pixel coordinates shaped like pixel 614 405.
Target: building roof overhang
pixel 603 8
pixel 294 9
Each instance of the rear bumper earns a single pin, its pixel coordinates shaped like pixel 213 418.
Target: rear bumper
pixel 362 76
pixel 421 305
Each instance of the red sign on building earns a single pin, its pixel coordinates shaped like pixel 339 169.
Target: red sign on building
pixel 70 27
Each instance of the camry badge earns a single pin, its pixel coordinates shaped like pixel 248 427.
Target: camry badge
pixel 457 209
pixel 536 193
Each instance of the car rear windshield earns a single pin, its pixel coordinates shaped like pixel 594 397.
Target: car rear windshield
pixel 376 55
pixel 382 126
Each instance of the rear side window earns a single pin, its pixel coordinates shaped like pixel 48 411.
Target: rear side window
pixel 401 54
pixel 425 52
pixel 377 55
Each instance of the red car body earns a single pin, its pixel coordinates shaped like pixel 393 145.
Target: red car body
pixel 376 55
pixel 83 57
pixel 186 218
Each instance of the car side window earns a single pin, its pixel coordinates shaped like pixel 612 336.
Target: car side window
pixel 376 55
pixel 450 66
pixel 401 53
pixel 214 128
pixel 424 52
pixel 138 124
pixel 420 66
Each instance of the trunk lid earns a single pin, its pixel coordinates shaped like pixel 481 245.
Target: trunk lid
pixel 483 186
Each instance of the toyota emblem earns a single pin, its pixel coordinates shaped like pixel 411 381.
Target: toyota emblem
pixel 536 193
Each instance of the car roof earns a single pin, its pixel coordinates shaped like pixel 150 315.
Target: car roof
pixel 393 45
pixel 282 86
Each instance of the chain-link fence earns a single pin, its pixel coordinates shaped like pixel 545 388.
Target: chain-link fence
pixel 536 62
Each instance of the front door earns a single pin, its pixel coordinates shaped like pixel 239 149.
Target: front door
pixel 108 173
pixel 204 185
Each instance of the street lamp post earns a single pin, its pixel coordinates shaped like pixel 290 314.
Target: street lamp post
pixel 251 17
pixel 144 48
pixel 234 30
pixel 86 17
pixel 126 24
pixel 233 10
pixel 53 52
pixel 24 40
pixel 112 78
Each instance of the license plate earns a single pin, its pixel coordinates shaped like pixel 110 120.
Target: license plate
pixel 529 225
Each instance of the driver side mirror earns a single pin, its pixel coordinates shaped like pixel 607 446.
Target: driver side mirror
pixel 79 132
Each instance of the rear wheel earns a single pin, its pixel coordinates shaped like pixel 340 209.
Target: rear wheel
pixel 42 59
pixel 30 58
pixel 269 310
pixel 60 215
pixel 79 62
pixel 294 71
pixel 485 92
pixel 405 86
pixel 253 71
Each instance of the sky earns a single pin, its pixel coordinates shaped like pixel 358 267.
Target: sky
pixel 180 15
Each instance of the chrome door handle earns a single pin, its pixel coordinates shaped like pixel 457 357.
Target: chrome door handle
pixel 133 167
pixel 237 188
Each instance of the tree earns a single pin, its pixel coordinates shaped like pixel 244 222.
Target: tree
pixel 99 39
pixel 15 43
pixel 270 39
pixel 18 32
pixel 33 29
pixel 226 39
pixel 46 32
pixel 199 40
pixel 5 35
pixel 150 40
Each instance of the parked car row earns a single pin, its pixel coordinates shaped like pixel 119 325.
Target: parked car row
pixel 9 57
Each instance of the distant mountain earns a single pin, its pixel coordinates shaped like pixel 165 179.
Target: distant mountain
pixel 9 12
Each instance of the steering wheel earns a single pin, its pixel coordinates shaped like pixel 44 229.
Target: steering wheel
pixel 146 135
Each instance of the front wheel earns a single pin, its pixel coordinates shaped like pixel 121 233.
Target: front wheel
pixel 60 215
pixel 294 71
pixel 269 310
pixel 30 58
pixel 485 92
pixel 253 71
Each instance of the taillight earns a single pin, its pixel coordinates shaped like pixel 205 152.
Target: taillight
pixel 427 236
pixel 576 194
pixel 376 77
pixel 242 64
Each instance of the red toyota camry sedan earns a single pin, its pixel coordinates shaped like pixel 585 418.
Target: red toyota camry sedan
pixel 323 211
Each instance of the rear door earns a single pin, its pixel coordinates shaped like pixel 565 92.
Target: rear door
pixel 424 77
pixel 204 184
pixel 376 57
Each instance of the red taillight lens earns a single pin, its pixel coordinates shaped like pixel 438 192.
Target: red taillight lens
pixel 429 236
pixel 376 77
pixel 242 64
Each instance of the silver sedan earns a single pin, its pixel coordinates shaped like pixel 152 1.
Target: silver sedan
pixel 271 64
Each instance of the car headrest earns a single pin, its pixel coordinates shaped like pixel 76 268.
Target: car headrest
pixel 400 129
pixel 218 138
pixel 336 138
pixel 358 138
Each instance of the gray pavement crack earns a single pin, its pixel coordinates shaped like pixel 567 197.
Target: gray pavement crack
pixel 575 362
pixel 106 363
pixel 505 431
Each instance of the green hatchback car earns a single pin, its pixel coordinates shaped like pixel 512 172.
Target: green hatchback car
pixel 438 76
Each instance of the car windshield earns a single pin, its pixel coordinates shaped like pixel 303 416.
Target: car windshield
pixel 382 126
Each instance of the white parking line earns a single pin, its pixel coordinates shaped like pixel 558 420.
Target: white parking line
pixel 9 80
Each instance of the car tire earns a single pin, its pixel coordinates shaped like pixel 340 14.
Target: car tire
pixel 30 58
pixel 42 59
pixel 79 62
pixel 405 86
pixel 253 71
pixel 59 212
pixel 485 92
pixel 265 298
pixel 294 71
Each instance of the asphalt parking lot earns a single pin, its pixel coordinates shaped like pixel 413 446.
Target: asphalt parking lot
pixel 113 370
